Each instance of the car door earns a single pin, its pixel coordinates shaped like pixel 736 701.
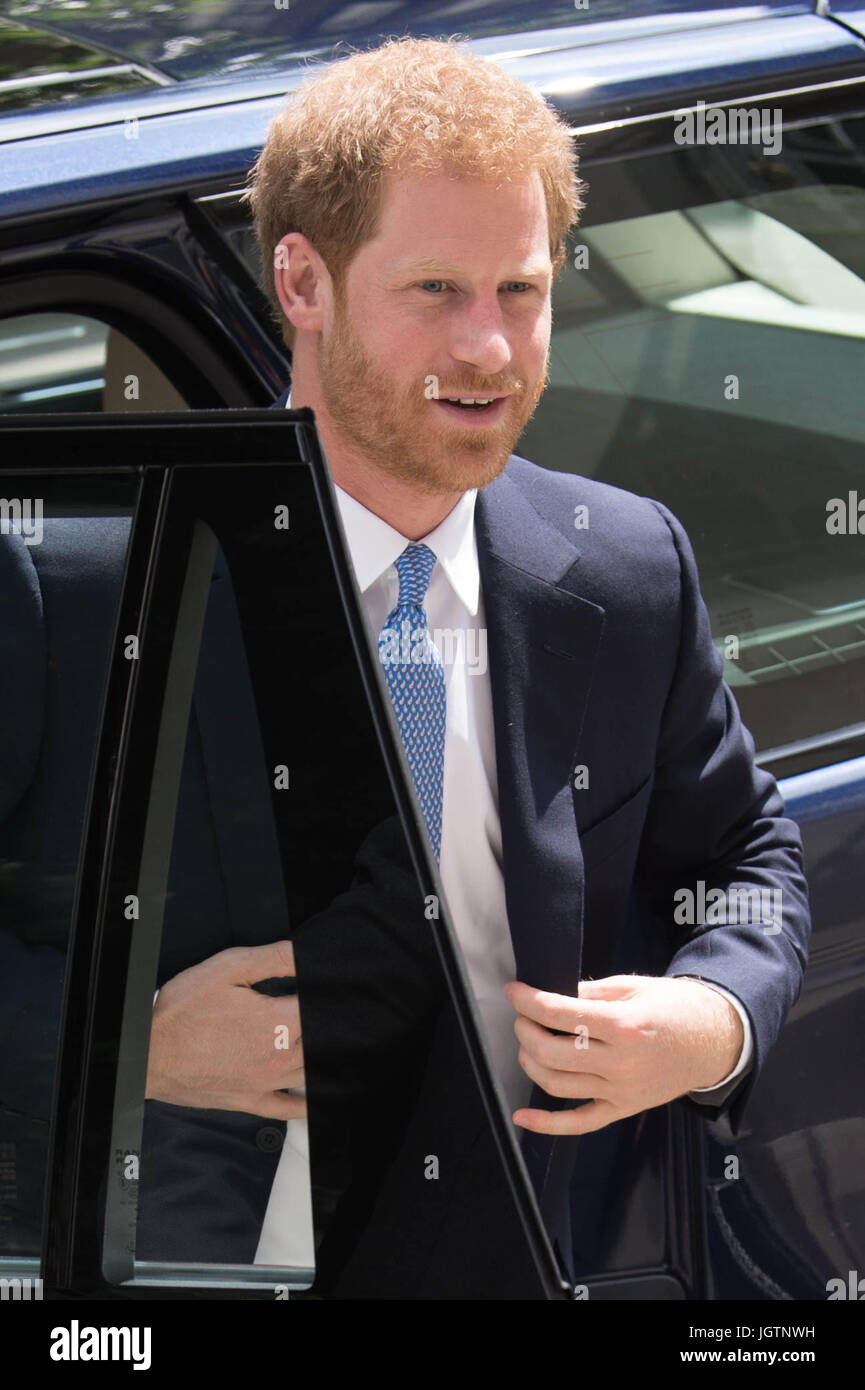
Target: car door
pixel 206 679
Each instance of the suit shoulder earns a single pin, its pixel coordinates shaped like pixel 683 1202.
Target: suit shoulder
pixel 611 510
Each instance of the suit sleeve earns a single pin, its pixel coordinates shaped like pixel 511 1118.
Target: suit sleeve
pixel 716 819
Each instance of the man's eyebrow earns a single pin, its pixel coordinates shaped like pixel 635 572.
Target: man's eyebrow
pixel 429 263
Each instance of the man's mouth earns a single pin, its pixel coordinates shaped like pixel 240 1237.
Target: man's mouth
pixel 480 408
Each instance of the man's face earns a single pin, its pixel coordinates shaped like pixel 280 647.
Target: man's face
pixel 451 298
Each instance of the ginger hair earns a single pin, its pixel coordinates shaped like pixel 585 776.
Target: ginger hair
pixel 410 105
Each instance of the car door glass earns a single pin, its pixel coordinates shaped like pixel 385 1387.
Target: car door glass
pixel 56 632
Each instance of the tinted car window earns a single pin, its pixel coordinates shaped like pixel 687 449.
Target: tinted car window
pixel 55 669
pixel 55 634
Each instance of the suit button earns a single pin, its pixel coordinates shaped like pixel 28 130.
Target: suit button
pixel 268 1139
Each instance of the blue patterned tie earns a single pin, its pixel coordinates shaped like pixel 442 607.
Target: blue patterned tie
pixel 415 677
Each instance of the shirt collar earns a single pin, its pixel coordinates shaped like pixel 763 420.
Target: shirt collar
pixel 375 545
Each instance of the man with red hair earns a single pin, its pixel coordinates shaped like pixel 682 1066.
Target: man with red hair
pixel 413 205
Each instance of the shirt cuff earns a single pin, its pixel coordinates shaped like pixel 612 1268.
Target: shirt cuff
pixel 706 1093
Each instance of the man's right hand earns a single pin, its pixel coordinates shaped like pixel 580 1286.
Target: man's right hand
pixel 218 1044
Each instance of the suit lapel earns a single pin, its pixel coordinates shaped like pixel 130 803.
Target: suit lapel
pixel 543 640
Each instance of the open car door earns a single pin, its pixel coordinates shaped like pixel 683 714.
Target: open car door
pixel 201 755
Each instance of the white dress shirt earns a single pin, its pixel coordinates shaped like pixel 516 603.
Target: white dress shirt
pixel 471 852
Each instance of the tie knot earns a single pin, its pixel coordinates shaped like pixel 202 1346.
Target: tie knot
pixel 414 568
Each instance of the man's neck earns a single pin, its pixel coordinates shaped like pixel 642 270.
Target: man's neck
pixel 413 514
pixel 410 511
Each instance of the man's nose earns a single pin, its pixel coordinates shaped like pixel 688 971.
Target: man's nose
pixel 479 338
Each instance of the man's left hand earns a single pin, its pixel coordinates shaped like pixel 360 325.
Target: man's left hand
pixel 636 1041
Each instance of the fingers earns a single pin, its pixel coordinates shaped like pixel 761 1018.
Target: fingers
pixel 562 1012
pixel 567 1085
pixel 575 1052
pixel 584 1120
pixel 216 1046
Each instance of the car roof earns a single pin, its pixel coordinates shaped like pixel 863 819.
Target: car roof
pixel 191 39
pixel 204 132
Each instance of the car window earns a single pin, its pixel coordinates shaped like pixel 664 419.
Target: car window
pixel 60 361
pixel 711 356
pixel 39 69
pixel 55 631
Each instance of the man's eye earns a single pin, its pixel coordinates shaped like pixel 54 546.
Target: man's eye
pixel 437 286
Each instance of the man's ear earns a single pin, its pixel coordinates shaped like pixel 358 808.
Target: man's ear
pixel 302 282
